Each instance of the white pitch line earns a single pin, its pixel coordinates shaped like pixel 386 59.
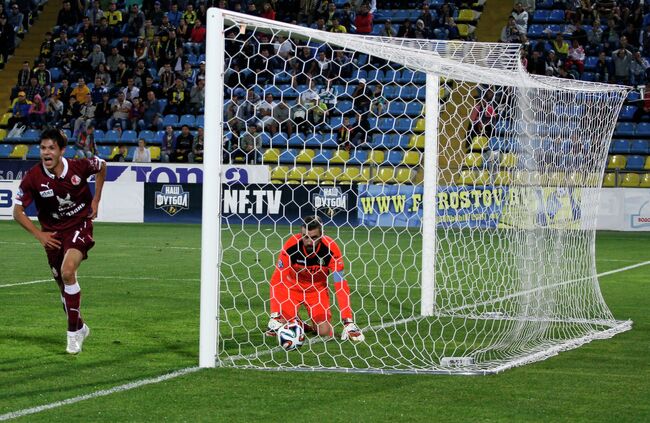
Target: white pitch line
pixel 25 283
pixel 168 376
pixel 136 278
pixel 97 394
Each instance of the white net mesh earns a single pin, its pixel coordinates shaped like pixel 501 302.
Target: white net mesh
pixel 520 161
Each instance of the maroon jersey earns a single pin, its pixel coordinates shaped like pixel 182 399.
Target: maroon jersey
pixel 62 202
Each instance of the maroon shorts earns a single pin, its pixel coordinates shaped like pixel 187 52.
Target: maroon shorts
pixel 78 237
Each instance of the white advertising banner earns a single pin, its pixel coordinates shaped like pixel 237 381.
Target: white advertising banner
pixel 122 202
pixel 178 173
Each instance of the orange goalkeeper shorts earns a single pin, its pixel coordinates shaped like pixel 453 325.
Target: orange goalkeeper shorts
pixel 315 299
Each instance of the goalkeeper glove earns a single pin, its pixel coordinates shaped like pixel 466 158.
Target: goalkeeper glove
pixel 351 331
pixel 275 323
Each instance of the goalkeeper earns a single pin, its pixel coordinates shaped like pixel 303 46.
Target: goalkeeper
pixel 300 278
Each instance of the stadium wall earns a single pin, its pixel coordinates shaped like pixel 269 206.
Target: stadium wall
pixel 136 192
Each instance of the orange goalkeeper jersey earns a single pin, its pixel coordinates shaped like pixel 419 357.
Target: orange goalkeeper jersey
pixel 308 270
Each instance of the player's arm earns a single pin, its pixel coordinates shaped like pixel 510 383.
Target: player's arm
pixel 342 291
pixel 46 239
pixel 100 178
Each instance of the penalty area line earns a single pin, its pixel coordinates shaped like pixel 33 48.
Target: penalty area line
pixel 97 394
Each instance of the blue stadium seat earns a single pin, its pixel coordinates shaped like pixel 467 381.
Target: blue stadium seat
pixel 385 124
pixel 627 113
pixel 404 124
pixel 288 156
pixel 635 163
pixel 405 76
pixel 624 129
pixel 380 141
pixel 590 63
pixel 390 76
pixel 330 140
pixel 633 96
pixel 99 135
pixel 395 157
pixel 33 152
pixel 643 129
pixel 147 135
pixel 588 76
pixel 104 152
pixel 189 120
pixel 556 16
pixel 535 31
pixel 640 147
pixel 391 91
pixel 297 140
pixel 375 75
pixel 396 108
pixel 279 140
pixel 265 139
pixel 344 106
pixel 541 16
pixel 112 137
pixel 55 73
pixel 545 4
pixel 402 141
pixel 323 156
pixel 162 103
pixel 70 153
pixel 619 147
pixel 200 121
pixel 358 157
pixel 5 150
pixel 170 119
pixel 129 137
pixel 312 141
pixel 414 108
pixel 31 135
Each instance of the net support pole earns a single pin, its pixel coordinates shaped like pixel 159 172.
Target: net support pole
pixel 430 187
pixel 211 216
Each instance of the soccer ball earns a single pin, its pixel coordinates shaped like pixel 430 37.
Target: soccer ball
pixel 291 335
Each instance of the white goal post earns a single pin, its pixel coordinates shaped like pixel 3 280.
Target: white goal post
pixel 461 190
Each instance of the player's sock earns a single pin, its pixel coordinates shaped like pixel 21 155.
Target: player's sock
pixel 72 296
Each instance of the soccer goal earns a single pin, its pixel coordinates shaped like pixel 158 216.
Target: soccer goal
pixel 461 190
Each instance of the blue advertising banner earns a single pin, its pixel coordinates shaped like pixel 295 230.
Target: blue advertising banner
pixel 456 207
pixel 11 170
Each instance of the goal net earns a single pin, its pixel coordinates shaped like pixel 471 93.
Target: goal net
pixel 461 190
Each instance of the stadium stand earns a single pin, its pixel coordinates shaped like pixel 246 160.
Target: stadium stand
pixel 155 52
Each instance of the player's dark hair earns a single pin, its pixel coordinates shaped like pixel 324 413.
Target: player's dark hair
pixel 313 222
pixel 55 135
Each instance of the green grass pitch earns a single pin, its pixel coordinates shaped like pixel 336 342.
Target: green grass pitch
pixel 141 295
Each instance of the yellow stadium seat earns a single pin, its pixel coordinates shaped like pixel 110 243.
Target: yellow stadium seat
pixel 279 173
pixel 297 174
pixel 332 174
pixel 473 160
pixel 385 175
pixel 609 180
pixel 556 179
pixel 483 178
pixel 479 143
pixel 313 183
pixel 508 160
pixel 466 15
pixel 20 151
pixel 416 141
pixel 349 174
pixel 647 163
pixel 3 134
pixel 305 156
pixel 315 174
pixel 376 157
pixel 616 162
pixel 114 152
pixel 463 30
pixel 503 178
pixel 645 181
pixel 277 181
pixel 340 156
pixel 419 125
pixel 271 156
pixel 5 119
pixel 465 177
pixel 527 178
pixel 411 158
pixel 403 175
pixel 155 152
pixel 630 180
pixel 363 175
